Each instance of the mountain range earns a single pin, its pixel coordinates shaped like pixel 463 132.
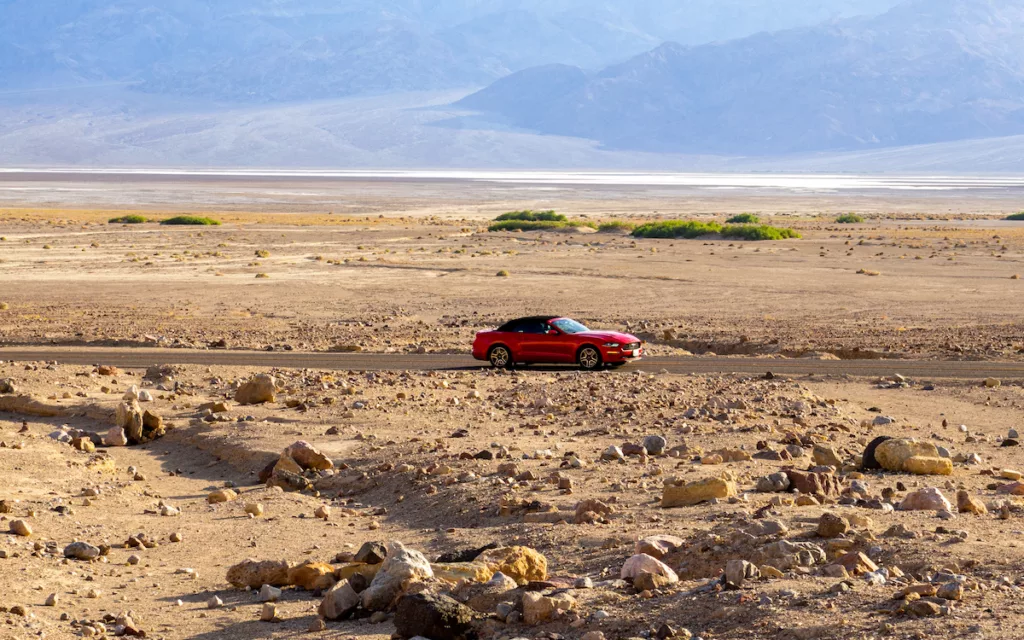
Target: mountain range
pixel 514 83
pixel 926 71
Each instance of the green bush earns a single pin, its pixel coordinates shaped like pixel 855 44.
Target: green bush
pixel 132 219
pixel 676 229
pixel 191 220
pixel 849 218
pixel 616 225
pixel 532 216
pixel 757 232
pixel 744 218
pixel 535 225
pixel 1016 216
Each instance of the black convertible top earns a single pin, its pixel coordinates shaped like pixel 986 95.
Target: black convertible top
pixel 511 325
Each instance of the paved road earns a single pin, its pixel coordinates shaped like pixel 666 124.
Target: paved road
pixel 137 358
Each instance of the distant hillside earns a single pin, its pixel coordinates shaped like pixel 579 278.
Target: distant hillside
pixel 298 50
pixel 926 71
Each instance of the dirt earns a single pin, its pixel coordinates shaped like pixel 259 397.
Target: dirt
pixel 425 280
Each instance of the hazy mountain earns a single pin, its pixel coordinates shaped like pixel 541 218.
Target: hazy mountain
pixel 925 71
pixel 295 50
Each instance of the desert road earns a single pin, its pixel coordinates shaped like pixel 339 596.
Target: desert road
pixel 144 357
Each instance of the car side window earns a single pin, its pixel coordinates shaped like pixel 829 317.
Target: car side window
pixel 532 327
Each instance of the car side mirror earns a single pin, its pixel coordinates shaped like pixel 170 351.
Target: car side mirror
pixel 552 332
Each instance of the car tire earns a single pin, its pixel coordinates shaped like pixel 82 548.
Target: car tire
pixel 589 358
pixel 500 357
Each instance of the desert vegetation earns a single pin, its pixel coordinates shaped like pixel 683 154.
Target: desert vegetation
pixel 191 220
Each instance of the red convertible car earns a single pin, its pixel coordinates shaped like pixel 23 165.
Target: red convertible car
pixel 555 340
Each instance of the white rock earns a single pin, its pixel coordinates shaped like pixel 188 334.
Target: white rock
pixel 402 566
pixel 643 563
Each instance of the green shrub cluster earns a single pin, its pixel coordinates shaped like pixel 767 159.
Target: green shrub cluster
pixel 849 218
pixel 744 218
pixel 757 232
pixel 191 220
pixel 676 229
pixel 132 219
pixel 532 216
pixel 535 225
pixel 1016 216
pixel 695 229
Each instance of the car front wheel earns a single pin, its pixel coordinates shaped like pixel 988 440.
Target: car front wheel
pixel 589 358
pixel 500 357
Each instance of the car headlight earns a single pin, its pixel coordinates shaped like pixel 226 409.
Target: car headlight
pixel 614 345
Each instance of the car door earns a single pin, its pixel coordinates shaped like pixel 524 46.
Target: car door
pixel 537 345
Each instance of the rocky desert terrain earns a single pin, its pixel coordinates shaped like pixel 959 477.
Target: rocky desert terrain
pixel 239 502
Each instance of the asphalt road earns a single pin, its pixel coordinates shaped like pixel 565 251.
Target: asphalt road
pixel 141 357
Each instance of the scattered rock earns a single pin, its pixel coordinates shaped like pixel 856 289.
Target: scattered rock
pixel 928 499
pixel 737 572
pixel 254 574
pixel 401 567
pixel 691 493
pixel 522 564
pixel 221 495
pixel 966 503
pixel 658 546
pixel 21 528
pixel 259 389
pixel 538 608
pixel 339 602
pixel 437 617
pixel 642 563
pixel 831 525
pixel 81 551
pixel 312 576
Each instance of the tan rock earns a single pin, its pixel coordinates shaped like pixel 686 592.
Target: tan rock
pixel 831 525
pixel 401 568
pixel 966 503
pixel 21 528
pixel 347 571
pixel 826 456
pixel 929 499
pixel 308 457
pixel 928 466
pixel 857 563
pixel 312 575
pixel 642 563
pixel 259 389
pixel 658 546
pixel 254 574
pixel 538 609
pixel 693 493
pixel 339 602
pixel 522 564
pixel 893 453
pixel 221 495
pixel 254 509
pixel 457 571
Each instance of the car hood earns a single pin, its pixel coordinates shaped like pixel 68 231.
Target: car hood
pixel 610 336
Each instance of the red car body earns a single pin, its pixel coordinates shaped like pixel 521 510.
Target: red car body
pixel 555 340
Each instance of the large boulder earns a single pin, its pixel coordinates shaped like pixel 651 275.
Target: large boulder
pixel 402 567
pixel 522 564
pixel 259 389
pixel 691 493
pixel 255 573
pixel 912 456
pixel 437 617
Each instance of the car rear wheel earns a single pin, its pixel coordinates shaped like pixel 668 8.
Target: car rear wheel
pixel 589 358
pixel 500 357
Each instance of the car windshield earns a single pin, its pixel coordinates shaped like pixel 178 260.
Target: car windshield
pixel 569 326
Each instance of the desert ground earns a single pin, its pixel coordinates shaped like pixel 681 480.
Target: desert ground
pixel 756 500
